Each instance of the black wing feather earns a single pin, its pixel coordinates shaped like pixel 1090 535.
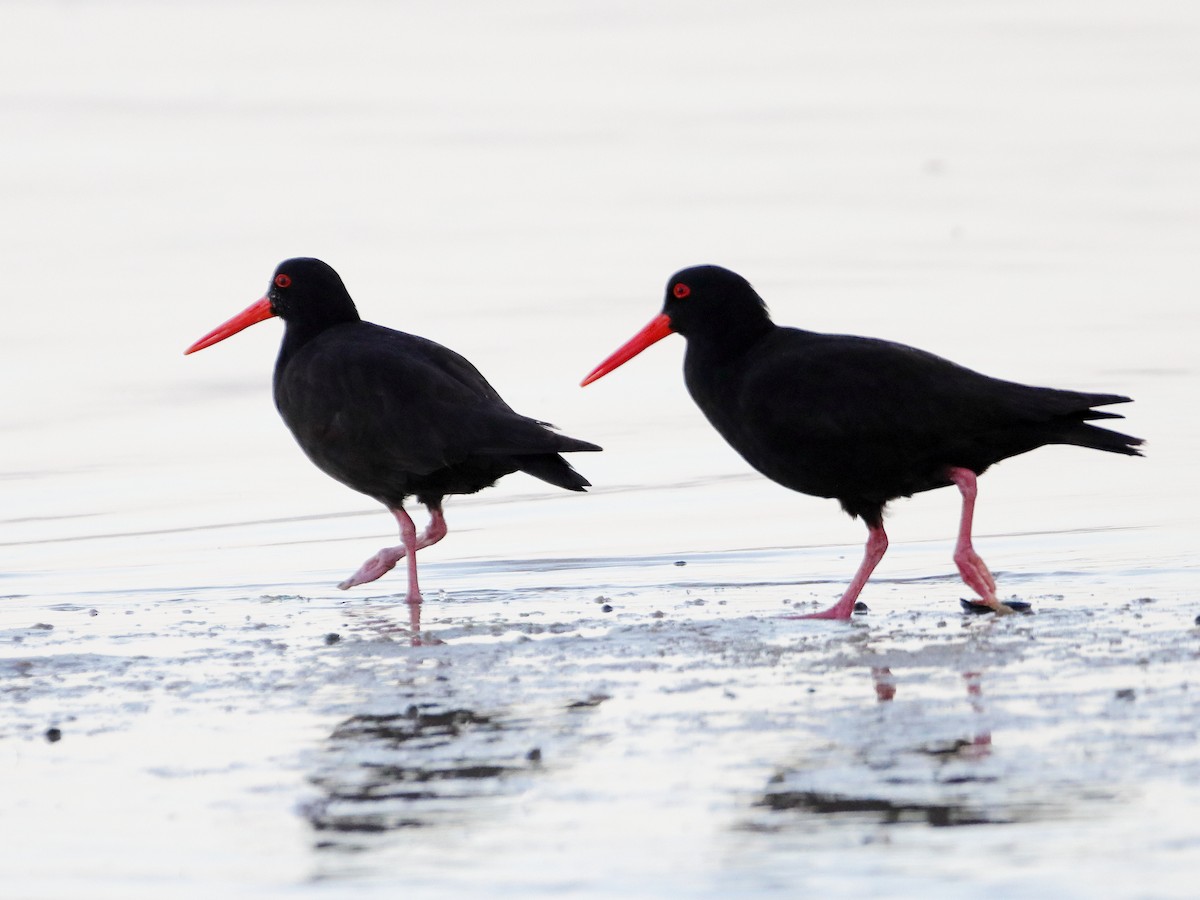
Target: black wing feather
pixel 390 414
pixel 830 414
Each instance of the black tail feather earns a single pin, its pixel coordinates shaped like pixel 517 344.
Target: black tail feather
pixel 1096 438
pixel 553 469
pixel 1074 411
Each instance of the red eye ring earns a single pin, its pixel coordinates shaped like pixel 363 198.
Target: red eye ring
pixel 681 290
pixel 282 280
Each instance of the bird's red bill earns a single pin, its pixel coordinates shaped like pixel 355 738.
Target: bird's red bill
pixel 255 312
pixel 658 329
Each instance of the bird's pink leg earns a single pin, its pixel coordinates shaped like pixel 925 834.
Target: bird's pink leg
pixel 408 534
pixel 435 530
pixel 877 544
pixel 971 567
pixel 385 560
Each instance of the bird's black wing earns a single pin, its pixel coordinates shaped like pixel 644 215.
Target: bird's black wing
pixel 891 416
pixel 407 404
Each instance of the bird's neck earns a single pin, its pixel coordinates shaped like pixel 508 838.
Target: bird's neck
pixel 295 336
pixel 729 343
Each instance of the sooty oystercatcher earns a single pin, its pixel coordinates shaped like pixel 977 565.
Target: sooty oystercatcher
pixel 861 420
pixel 390 414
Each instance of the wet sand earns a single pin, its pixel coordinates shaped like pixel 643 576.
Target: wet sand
pixel 607 726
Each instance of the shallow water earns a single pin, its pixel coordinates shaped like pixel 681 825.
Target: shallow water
pixel 602 698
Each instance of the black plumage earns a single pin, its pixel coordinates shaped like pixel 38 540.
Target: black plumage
pixel 861 420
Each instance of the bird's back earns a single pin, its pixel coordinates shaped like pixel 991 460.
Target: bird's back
pixel 392 414
pixel 866 421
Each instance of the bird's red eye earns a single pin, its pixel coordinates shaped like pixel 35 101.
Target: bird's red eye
pixel 681 290
pixel 282 280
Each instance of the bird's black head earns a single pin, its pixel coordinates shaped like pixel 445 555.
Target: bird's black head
pixel 718 312
pixel 712 302
pixel 306 291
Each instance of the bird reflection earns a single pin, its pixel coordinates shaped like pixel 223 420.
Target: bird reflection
pixel 980 743
pixel 382 623
pixel 894 780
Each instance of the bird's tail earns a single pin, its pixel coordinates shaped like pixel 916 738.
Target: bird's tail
pixel 1072 412
pixel 1085 435
pixel 552 468
pixel 574 445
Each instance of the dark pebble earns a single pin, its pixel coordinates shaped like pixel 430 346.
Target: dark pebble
pixel 606 608
pixel 1198 620
pixel 680 562
pixel 534 755
pixel 53 735
pixel 332 638
pixel 1015 605
pixel 1126 694
pixel 861 607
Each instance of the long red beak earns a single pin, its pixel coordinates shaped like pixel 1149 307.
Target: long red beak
pixel 658 329
pixel 255 312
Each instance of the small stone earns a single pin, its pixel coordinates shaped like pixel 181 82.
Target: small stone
pixel 53 735
pixel 606 608
pixel 681 562
pixel 534 755
pixel 332 638
pixel 1198 620
pixel 1126 694
pixel 657 614
pixel 861 607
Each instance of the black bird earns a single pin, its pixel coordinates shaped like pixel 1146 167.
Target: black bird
pixel 390 414
pixel 861 420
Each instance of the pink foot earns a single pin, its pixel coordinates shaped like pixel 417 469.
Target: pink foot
pixel 385 560
pixel 974 571
pixel 971 567
pixel 375 567
pixel 837 612
pixel 976 576
pixel 877 543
